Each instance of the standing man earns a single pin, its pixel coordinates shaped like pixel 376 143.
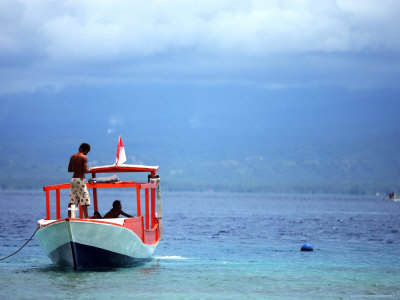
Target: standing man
pixel 79 193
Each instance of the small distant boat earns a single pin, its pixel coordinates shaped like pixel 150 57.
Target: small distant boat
pixel 104 243
pixel 394 197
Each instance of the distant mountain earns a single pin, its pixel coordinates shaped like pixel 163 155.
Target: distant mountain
pixel 210 138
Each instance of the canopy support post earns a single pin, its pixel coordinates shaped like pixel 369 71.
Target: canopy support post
pixel 153 207
pixel 47 205
pixel 147 207
pixel 95 205
pixel 138 208
pixel 58 204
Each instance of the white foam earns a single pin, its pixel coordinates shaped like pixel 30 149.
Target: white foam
pixel 170 257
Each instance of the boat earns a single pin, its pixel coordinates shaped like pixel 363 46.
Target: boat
pixel 81 244
pixel 394 197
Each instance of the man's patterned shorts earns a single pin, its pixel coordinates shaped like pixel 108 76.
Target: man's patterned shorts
pixel 79 193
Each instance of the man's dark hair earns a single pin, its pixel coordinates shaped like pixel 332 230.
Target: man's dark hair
pixel 116 204
pixel 84 147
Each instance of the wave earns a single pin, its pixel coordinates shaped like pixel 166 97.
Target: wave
pixel 170 257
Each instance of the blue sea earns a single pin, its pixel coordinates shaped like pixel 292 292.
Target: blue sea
pixel 223 246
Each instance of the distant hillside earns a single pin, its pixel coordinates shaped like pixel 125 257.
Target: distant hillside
pixel 323 141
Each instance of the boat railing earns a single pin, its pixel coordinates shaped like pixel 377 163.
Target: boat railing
pixel 149 192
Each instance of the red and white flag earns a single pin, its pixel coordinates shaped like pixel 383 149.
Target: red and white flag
pixel 121 157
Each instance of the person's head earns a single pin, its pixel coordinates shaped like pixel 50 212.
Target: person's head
pixel 84 148
pixel 117 204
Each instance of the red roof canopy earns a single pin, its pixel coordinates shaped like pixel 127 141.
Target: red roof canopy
pixel 124 168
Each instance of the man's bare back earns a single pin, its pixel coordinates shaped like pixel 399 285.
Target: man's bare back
pixel 78 165
pixel 79 194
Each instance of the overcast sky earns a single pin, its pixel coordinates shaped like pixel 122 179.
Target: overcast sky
pixel 53 44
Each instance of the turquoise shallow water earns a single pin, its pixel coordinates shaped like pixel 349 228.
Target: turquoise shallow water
pixel 224 246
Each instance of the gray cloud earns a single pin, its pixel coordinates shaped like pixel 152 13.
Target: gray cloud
pixel 63 42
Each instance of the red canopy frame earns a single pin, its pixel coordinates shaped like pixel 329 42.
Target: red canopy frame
pixel 150 208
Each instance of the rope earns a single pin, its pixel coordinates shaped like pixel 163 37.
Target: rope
pixel 22 246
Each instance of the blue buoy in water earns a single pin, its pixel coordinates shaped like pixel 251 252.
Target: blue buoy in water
pixel 307 247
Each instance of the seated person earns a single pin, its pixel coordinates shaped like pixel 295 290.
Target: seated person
pixel 116 211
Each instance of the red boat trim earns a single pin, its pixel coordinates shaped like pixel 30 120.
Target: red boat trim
pixel 81 220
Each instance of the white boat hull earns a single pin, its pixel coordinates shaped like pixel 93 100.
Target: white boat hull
pixel 88 244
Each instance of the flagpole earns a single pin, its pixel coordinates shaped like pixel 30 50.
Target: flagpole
pixel 116 161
